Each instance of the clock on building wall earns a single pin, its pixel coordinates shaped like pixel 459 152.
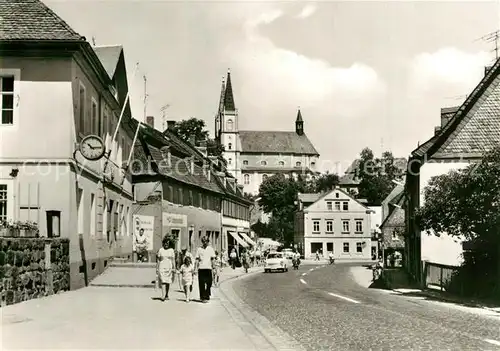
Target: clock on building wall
pixel 92 147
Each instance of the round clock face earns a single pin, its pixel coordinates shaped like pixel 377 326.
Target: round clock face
pixel 92 147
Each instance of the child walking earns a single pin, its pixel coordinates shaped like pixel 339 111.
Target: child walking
pixel 217 268
pixel 187 273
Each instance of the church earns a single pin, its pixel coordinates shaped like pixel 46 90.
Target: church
pixel 254 155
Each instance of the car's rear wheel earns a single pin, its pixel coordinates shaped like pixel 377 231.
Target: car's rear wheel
pixel 266 270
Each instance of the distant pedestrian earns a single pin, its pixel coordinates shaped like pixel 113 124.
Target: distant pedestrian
pixel 187 276
pixel 182 255
pixel 165 265
pixel 217 269
pixel 204 265
pixel 245 260
pixel 224 258
pixel 233 257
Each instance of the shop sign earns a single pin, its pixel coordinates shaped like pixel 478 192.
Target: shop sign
pixel 174 220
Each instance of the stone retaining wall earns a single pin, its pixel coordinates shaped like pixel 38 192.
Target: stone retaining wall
pixel 32 268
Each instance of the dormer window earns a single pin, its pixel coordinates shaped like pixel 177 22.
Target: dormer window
pixel 281 163
pixel 263 163
pixel 245 162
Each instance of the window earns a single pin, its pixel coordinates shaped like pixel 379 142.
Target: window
pixel 359 226
pixel 337 205
pixel 313 164
pixel 229 146
pixel 263 163
pixel 281 163
pixel 329 247
pixel 3 202
pixel 245 162
pixel 394 233
pixel 94 126
pixel 7 101
pixel 264 177
pixel 80 209
pixel 298 164
pixel 229 124
pixel 229 161
pixel 346 247
pixel 345 206
pixel 81 112
pixel 246 179
pixel 329 226
pixel 337 195
pixel 315 226
pixel 329 206
pixel 53 224
pixel 122 217
pixel 93 214
pixel 345 226
pixel 359 247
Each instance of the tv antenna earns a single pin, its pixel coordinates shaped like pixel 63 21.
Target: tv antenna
pixel 163 110
pixel 492 37
pixel 145 96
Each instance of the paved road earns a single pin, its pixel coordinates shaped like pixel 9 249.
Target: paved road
pixel 326 309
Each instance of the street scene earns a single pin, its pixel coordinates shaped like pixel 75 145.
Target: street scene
pixel 249 175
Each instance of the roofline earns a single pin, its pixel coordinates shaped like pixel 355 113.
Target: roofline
pixel 465 108
pixel 343 192
pixel 108 46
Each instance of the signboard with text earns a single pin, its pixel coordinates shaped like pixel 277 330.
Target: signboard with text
pixel 174 220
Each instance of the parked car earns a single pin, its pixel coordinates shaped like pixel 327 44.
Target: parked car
pixel 288 253
pixel 276 261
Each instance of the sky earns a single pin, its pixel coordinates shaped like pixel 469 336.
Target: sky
pixel 365 74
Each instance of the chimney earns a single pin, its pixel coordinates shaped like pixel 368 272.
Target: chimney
pixel 150 121
pixel 191 165
pixel 165 151
pixel 437 129
pixel 447 113
pixel 170 125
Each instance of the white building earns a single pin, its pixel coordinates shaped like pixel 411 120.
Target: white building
pixel 336 222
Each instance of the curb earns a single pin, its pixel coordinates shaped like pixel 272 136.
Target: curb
pixel 122 285
pixel 262 332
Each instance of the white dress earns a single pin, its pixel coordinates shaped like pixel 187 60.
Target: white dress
pixel 166 265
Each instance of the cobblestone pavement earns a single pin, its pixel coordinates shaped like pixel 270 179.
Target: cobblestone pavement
pixel 326 308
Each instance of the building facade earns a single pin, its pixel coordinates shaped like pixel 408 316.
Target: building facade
pixel 462 138
pixel 183 193
pixel 333 222
pixel 55 91
pixel 252 156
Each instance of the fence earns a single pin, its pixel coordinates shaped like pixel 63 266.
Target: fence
pixel 438 275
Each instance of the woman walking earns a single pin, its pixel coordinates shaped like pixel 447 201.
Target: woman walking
pixel 165 266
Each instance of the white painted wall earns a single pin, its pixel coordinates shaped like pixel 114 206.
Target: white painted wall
pixel 444 249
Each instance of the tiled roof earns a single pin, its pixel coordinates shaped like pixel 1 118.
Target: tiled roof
pixel 351 175
pixel 475 127
pixel 276 142
pixel 422 149
pixel 309 197
pixel 109 56
pixel 33 20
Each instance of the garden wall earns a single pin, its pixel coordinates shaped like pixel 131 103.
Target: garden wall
pixel 32 268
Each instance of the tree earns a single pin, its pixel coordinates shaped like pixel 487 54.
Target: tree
pixel 326 182
pixel 187 128
pixel 376 176
pixel 465 203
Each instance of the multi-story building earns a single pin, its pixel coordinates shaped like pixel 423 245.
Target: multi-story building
pixel 56 91
pixel 252 156
pixel 181 192
pixel 333 222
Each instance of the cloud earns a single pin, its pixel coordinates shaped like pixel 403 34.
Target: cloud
pixel 307 11
pixel 448 68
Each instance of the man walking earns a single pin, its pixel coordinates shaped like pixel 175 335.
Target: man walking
pixel 205 257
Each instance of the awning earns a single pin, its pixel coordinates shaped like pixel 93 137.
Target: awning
pixel 238 239
pixel 247 238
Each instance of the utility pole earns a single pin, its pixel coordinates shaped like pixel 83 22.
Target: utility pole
pixel 164 116
pixel 145 97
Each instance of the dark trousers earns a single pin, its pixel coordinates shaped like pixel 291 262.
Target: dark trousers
pixel 205 283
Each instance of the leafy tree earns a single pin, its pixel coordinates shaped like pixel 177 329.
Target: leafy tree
pixel 376 176
pixel 326 182
pixel 466 203
pixel 197 128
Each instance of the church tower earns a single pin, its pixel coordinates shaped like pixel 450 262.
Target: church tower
pixel 227 129
pixel 299 124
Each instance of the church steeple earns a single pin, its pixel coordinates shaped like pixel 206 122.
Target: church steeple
pixel 299 123
pixel 218 116
pixel 228 95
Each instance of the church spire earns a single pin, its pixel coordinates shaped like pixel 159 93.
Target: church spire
pixel 299 123
pixel 222 92
pixel 228 95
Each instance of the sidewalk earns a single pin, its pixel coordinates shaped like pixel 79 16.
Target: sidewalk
pixel 126 318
